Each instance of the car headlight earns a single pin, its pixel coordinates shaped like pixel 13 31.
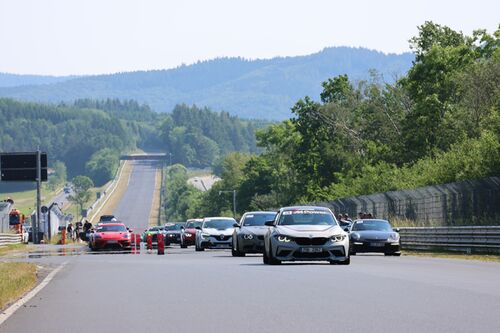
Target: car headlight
pixel 205 235
pixel 97 236
pixel 355 236
pixel 126 236
pixel 188 235
pixel 247 236
pixel 284 239
pixel 338 238
pixel 394 237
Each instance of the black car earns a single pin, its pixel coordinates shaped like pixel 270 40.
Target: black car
pixel 375 236
pixel 173 233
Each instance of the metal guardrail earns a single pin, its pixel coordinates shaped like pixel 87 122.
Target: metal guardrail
pixel 464 239
pixel 6 239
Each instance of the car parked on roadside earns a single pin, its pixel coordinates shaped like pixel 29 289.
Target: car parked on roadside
pixel 188 235
pixel 375 236
pixel 248 236
pixel 305 233
pixel 215 233
pixel 107 218
pixel 110 235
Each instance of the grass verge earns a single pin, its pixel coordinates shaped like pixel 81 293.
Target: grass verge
pixel 448 255
pixel 16 278
pixel 7 249
pixel 155 205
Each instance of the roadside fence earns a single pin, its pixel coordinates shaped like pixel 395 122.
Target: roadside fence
pixel 480 239
pixel 6 239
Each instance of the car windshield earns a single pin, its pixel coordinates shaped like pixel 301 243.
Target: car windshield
pixel 307 217
pixel 375 225
pixel 112 228
pixel 219 224
pixel 257 219
pixel 193 225
pixel 155 229
pixel 172 227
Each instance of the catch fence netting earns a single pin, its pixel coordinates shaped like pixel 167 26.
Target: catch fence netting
pixel 471 202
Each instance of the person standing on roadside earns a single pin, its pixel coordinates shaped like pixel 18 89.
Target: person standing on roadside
pixel 69 231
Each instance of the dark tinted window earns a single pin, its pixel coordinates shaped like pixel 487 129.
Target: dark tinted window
pixel 192 225
pixel 376 225
pixel 112 228
pixel 219 224
pixel 173 227
pixel 257 219
pixel 307 217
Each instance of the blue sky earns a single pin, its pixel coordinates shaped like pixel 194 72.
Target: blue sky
pixel 60 37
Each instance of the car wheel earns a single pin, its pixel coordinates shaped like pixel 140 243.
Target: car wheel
pixel 353 253
pixel 183 246
pixel 345 262
pixel 235 252
pixel 198 248
pixel 272 259
pixel 265 258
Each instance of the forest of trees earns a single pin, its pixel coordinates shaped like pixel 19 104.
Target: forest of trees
pixel 440 123
pixel 88 136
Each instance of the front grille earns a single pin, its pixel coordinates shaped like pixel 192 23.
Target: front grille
pixel 222 238
pixel 284 253
pixel 338 252
pixel 260 237
pixel 311 241
pixel 303 255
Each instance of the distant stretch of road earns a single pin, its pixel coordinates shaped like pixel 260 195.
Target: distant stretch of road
pixel 135 205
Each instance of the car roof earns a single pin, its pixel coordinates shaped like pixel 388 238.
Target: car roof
pixel 320 208
pixel 114 224
pixel 259 212
pixel 381 220
pixel 217 218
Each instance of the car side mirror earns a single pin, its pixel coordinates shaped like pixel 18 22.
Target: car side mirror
pixel 346 229
pixel 269 223
pixel 236 225
pixel 396 229
pixel 198 228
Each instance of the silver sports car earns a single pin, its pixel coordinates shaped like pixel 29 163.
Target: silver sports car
pixel 215 233
pixel 305 233
pixel 248 236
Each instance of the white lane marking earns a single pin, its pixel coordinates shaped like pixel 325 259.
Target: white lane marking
pixel 14 307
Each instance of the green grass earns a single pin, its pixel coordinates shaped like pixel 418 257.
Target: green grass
pixel 451 255
pixel 192 172
pixel 16 278
pixel 25 200
pixel 6 249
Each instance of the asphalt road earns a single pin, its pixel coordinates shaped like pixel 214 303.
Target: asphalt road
pixel 135 206
pixel 185 291
pixel 188 291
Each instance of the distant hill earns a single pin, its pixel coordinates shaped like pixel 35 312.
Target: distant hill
pixel 15 80
pixel 263 89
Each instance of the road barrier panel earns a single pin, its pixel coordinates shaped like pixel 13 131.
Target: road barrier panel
pixel 149 242
pixel 161 244
pixel 6 239
pixel 482 239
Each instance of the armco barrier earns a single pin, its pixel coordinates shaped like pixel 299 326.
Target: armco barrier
pixel 6 239
pixel 484 239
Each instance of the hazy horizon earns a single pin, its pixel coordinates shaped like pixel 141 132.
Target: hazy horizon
pixel 90 37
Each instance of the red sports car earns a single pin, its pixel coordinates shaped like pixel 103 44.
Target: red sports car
pixel 189 233
pixel 110 235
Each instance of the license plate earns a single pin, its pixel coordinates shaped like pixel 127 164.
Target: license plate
pixel 311 250
pixel 377 244
pixel 112 242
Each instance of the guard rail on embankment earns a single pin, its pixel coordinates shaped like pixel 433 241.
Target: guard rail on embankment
pixel 481 239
